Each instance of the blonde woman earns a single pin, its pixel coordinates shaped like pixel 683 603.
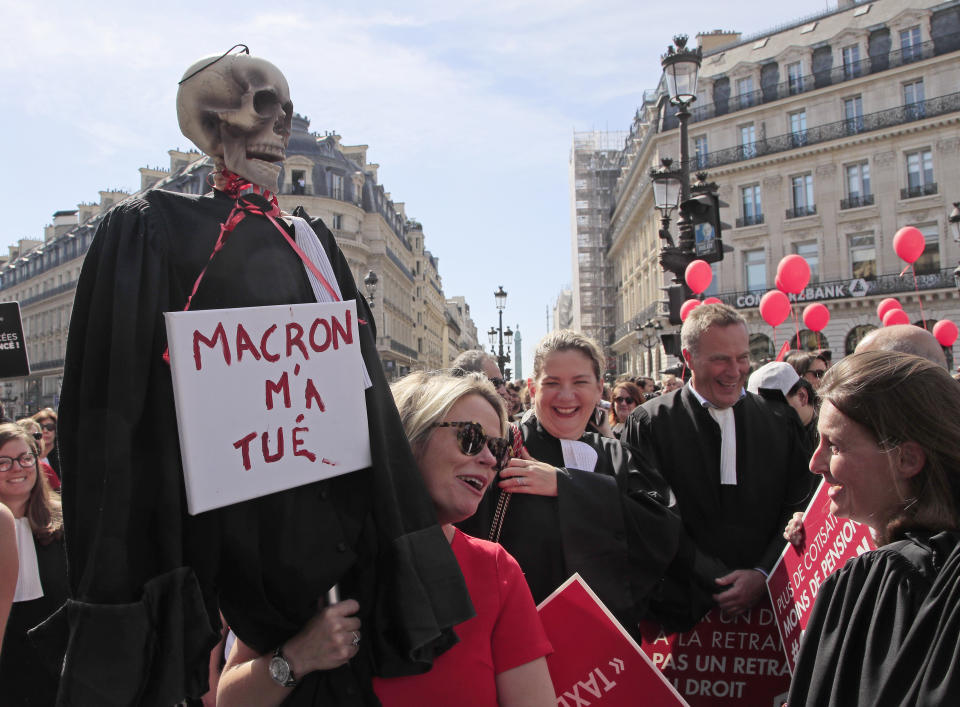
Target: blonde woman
pixel 456 428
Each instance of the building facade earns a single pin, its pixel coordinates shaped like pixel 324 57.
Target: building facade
pixel 330 180
pixel 825 137
pixel 461 330
pixel 594 168
pixel 562 315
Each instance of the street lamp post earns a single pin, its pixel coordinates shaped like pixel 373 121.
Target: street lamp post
pixel 667 183
pixel 648 336
pixel 497 335
pixel 370 283
pixel 508 337
pixel 681 67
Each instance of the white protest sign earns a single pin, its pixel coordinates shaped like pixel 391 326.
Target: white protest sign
pixel 267 398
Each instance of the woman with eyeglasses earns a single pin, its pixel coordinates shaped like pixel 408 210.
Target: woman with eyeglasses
pixel 884 627
pixel 626 396
pixel 456 428
pixel 42 578
pixel 47 419
pixel 576 501
pixel 810 365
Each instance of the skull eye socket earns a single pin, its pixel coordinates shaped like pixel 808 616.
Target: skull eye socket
pixel 264 101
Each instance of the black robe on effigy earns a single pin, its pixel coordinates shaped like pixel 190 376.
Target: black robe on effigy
pixel 612 525
pixel 885 629
pixel 147 579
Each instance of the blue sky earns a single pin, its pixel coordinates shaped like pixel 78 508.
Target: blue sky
pixel 468 108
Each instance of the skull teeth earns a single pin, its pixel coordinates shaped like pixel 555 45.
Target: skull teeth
pixel 265 151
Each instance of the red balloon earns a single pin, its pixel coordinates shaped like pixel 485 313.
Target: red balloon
pixel 713 300
pixel 698 275
pixel 895 316
pixel 886 305
pixel 946 332
pixel 793 273
pixel 816 316
pixel 687 307
pixel 909 243
pixel 774 308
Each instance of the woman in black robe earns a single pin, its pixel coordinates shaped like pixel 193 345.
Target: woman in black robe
pixel 25 678
pixel 884 628
pixel 576 501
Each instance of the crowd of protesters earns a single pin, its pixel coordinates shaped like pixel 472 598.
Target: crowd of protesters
pixel 669 497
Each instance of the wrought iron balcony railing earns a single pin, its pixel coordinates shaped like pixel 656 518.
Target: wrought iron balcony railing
pixel 801 211
pixel 52 292
pixel 631 324
pixel 749 220
pixel 401 349
pixel 819 79
pixel 919 190
pixel 881 120
pixel 855 202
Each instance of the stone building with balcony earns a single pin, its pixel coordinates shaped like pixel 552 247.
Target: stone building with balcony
pixel 824 137
pixel 338 184
pixel 329 180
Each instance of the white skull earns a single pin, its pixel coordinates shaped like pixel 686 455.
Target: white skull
pixel 238 111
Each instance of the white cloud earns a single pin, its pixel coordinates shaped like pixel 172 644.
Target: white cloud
pixel 468 107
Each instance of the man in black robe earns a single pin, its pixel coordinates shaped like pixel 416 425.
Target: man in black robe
pixel 736 466
pixel 148 580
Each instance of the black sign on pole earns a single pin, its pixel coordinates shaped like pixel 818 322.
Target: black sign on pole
pixel 13 347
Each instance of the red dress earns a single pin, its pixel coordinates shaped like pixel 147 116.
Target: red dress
pixel 52 477
pixel 505 633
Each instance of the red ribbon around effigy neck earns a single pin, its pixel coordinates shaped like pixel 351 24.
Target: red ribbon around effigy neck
pixel 240 190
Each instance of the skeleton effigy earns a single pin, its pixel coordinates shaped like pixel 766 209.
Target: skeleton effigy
pixel 149 581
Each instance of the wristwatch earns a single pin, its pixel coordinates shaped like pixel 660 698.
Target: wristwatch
pixel 280 669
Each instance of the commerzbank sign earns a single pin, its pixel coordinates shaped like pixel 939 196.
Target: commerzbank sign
pixel 885 285
pixel 858 287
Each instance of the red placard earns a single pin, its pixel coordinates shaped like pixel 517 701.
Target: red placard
pixel 724 661
pixel 796 578
pixel 594 660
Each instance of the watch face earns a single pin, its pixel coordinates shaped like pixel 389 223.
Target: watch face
pixel 279 670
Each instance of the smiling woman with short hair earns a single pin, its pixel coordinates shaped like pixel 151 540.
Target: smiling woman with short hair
pixel 575 501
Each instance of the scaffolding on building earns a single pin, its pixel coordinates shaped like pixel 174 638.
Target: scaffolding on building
pixel 595 167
